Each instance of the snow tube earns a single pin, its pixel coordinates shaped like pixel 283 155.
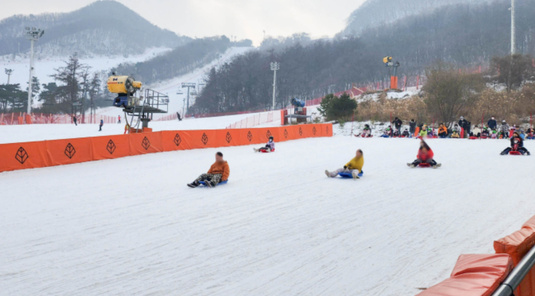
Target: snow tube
pixel 266 151
pixel 348 175
pixel 220 183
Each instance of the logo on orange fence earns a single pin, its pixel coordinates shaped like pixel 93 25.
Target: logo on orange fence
pixel 300 131
pixel 268 134
pixel 177 140
pixel 314 131
pixel 204 139
pixel 228 137
pixel 70 151
pixel 111 147
pixel 145 143
pixel 285 134
pixel 21 155
pixel 249 136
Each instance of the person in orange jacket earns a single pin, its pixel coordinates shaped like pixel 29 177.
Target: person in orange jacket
pixel 425 155
pixel 218 172
pixel 442 131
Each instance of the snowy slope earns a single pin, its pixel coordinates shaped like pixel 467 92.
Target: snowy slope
pixel 173 87
pixel 280 227
pixel 45 68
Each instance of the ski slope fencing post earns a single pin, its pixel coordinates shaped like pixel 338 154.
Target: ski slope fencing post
pixel 17 156
pixel 507 288
pixel 519 245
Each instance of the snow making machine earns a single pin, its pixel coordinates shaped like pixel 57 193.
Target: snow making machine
pixel 299 112
pixel 138 109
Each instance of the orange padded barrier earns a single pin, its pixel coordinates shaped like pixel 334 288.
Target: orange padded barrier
pixel 16 156
pixel 517 245
pixel 474 275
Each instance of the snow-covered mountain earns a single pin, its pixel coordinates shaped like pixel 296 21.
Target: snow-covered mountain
pixel 374 13
pixel 103 28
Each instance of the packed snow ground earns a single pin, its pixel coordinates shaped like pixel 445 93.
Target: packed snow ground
pixel 280 227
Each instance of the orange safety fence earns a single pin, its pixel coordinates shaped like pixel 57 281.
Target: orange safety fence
pixel 517 245
pixel 16 156
pixel 474 275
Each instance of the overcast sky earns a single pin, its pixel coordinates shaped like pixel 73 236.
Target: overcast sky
pixel 200 18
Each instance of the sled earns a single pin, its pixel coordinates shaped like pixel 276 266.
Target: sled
pixel 426 165
pixel 348 175
pixel 515 153
pixel 473 138
pixel 266 150
pixel 203 183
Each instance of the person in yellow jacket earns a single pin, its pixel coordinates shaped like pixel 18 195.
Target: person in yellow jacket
pixel 354 166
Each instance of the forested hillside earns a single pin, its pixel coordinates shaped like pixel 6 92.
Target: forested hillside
pixel 101 28
pixel 374 13
pixel 179 61
pixel 460 35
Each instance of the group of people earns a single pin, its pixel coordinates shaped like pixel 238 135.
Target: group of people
pixel 461 129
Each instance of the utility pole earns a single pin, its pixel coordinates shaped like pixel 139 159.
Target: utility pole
pixel 8 72
pixel 188 85
pixel 32 34
pixel 513 28
pixel 275 66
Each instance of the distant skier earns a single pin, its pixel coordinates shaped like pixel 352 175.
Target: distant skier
pixel 517 144
pixel 100 125
pixel 269 147
pixel 425 155
pixel 119 119
pixel 218 172
pixel 75 120
pixel 178 116
pixel 354 166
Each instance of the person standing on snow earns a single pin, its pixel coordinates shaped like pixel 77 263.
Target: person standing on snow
pixel 270 146
pixel 464 124
pixel 412 127
pixel 100 125
pixel 354 166
pixel 75 120
pixel 492 124
pixel 397 124
pixel 425 155
pixel 218 172
pixel 118 119
pixel 504 129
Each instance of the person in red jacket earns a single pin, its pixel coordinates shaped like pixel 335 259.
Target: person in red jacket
pixel 425 155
